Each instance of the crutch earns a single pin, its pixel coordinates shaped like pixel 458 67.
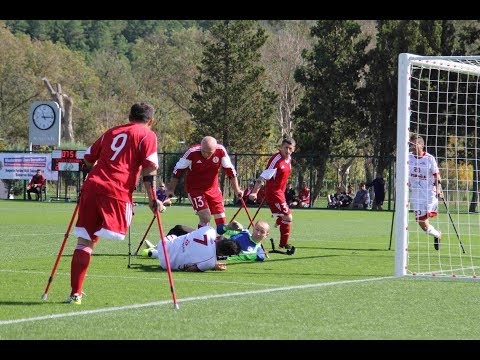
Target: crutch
pixel 235 215
pixel 255 215
pixel 453 224
pixel 164 246
pixel 54 270
pixel 391 226
pixel 129 265
pixel 144 236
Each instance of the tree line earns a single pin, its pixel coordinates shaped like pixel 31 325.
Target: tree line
pixel 331 84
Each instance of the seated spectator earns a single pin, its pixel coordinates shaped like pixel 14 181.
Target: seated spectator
pixel 379 191
pixel 304 196
pixel 346 200
pixel 290 195
pixel 261 194
pixel 362 198
pixel 339 199
pixel 247 192
pixel 162 195
pixel 36 185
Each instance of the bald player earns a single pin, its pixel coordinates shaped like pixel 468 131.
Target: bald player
pixel 201 163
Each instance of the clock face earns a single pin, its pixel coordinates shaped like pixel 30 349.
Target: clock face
pixel 43 117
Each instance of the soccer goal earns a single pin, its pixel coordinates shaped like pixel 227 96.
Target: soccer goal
pixel 439 99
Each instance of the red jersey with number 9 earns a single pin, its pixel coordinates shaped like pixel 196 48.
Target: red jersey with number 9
pixel 120 153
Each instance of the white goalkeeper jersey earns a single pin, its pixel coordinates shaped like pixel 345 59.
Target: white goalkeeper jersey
pixel 423 173
pixel 195 248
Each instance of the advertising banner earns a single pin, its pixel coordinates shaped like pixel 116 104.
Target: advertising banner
pixel 18 166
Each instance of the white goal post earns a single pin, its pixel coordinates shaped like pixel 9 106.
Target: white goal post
pixel 439 99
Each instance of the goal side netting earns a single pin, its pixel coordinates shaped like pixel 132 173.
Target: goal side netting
pixel 439 99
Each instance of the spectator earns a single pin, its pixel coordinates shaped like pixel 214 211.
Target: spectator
pixel 247 192
pixel 290 195
pixel 201 163
pixel 261 194
pixel 162 195
pixel 362 198
pixel 350 195
pixel 105 208
pixel 186 254
pixel 339 199
pixel 379 190
pixel 304 196
pixel 36 185
pixel 424 186
pixel 275 177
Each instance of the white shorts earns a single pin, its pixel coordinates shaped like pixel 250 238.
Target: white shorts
pixel 424 210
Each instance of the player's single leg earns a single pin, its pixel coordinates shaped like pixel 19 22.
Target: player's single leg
pixel 101 217
pixel 422 215
pixel 200 205
pixel 281 210
pixel 215 200
pixel 78 269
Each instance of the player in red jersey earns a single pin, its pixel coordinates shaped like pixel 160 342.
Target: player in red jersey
pixel 275 177
pixel 202 163
pixel 105 210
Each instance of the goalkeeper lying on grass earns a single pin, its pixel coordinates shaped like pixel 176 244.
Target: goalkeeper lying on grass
pixel 250 244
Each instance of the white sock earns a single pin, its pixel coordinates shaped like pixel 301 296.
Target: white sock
pixel 432 231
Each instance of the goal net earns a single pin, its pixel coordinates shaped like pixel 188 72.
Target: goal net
pixel 439 99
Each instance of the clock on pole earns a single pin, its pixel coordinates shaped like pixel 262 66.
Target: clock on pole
pixel 43 116
pixel 45 121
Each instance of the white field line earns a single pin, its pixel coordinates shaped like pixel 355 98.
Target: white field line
pixel 205 297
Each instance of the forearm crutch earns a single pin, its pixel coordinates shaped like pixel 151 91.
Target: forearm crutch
pixel 248 213
pixel 165 253
pixel 54 270
pixel 144 236
pixel 235 215
pixel 453 224
pixel 256 213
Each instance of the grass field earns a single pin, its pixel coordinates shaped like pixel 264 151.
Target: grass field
pixel 337 286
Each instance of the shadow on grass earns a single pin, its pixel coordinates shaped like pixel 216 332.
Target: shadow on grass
pixel 15 303
pixel 99 255
pixel 347 249
pixel 147 268
pixel 278 258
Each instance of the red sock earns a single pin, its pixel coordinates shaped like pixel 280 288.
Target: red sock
pixel 284 232
pixel 279 221
pixel 220 221
pixel 80 262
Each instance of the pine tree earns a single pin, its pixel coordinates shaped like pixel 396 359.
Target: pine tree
pixel 330 77
pixel 232 103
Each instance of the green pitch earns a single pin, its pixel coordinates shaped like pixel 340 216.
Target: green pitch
pixel 337 285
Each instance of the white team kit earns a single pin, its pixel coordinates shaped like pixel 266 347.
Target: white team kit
pixel 195 248
pixel 423 173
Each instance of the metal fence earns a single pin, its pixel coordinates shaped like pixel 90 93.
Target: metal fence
pixel 340 170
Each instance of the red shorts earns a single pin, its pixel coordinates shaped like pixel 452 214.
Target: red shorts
pixel 278 204
pixel 102 216
pixel 211 199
